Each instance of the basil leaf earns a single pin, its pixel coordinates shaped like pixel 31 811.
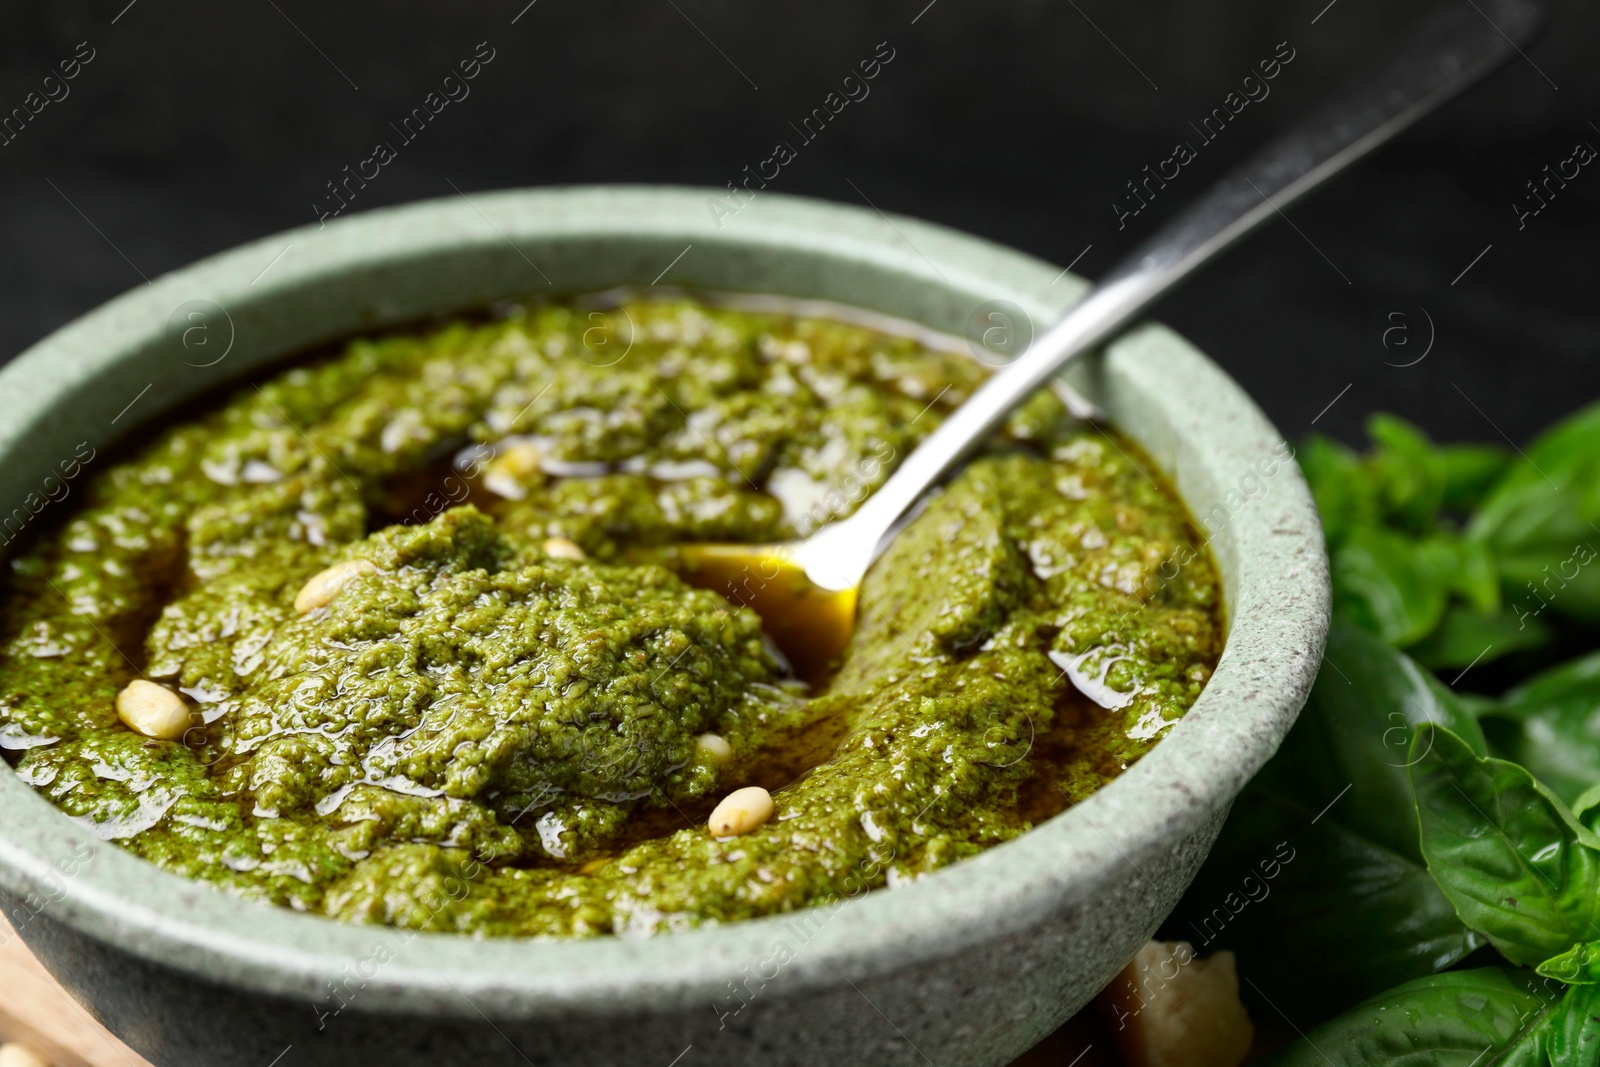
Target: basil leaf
pixel 1403 482
pixel 1493 1017
pixel 1561 575
pixel 1551 725
pixel 1355 894
pixel 1417 478
pixel 1477 705
pixel 1587 807
pixel 1579 965
pixel 1409 470
pixel 1356 731
pixel 1283 887
pixel 1465 636
pixel 1463 567
pixel 1470 472
pixel 1382 585
pixel 1506 851
pixel 1346 493
pixel 1540 520
pixel 1575 1030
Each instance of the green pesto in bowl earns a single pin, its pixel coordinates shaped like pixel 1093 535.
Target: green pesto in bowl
pixel 515 717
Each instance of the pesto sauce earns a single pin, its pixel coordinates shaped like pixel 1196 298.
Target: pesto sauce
pixel 479 736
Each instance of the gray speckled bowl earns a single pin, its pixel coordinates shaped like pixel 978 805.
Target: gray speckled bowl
pixel 968 966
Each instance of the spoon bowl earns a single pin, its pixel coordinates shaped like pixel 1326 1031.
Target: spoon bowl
pixel 810 624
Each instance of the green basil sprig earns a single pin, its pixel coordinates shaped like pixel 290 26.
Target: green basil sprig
pixel 1579 965
pixel 1402 567
pixel 1541 521
pixel 1492 1017
pixel 1458 556
pixel 1354 894
pixel 1404 483
pixel 1466 635
pixel 1520 869
pixel 1551 725
pixel 1512 858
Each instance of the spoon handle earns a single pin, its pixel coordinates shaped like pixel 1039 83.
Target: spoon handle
pixel 1448 52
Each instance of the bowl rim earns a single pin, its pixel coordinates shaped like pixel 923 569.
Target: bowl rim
pixel 1278 618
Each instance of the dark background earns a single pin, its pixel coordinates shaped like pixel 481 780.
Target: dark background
pixel 198 126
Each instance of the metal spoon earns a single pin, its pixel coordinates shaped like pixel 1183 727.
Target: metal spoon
pixel 806 591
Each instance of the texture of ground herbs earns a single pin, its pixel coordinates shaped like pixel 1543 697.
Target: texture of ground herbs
pixel 482 732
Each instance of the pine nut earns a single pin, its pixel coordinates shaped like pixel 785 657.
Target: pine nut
pixel 514 465
pixel 325 585
pixel 153 710
pixel 716 746
pixel 561 548
pixel 741 811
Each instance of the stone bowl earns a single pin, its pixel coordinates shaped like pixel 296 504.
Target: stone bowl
pixel 971 965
